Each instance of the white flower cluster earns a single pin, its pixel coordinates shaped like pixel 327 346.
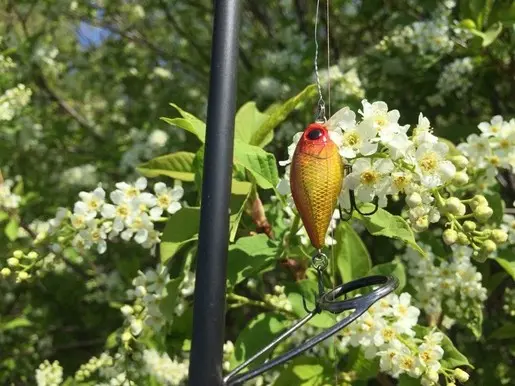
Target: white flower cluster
pixel 8 199
pixel 345 84
pixel 6 63
pixel 509 301
pixel 144 147
pixel 386 161
pixel 49 374
pixel 186 288
pixel 494 148
pixel 165 370
pixel 456 77
pixel 433 36
pixel 149 290
pixel 279 299
pixel 386 331
pixel 508 225
pixel 427 37
pixel 83 175
pixel 131 216
pixel 453 285
pixel 13 100
pixel 87 369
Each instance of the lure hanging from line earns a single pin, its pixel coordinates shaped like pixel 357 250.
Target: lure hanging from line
pixel 316 178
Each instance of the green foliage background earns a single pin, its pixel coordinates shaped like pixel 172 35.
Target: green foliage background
pixel 104 92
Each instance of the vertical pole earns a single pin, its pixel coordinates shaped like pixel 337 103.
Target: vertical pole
pixel 209 307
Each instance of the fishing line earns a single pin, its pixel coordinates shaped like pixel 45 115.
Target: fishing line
pixel 321 103
pixel 321 114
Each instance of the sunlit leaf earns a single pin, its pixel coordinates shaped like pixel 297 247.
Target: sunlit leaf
pixel 351 254
pixel 176 165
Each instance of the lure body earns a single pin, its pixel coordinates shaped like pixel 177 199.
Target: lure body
pixel 316 176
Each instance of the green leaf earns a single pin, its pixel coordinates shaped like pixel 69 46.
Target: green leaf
pixel 491 34
pixel 406 380
pixel 263 328
pixel 258 162
pixel 307 288
pixel 496 203
pixel 167 305
pixel 248 256
pixel 248 120
pixel 305 371
pixel 3 215
pixel 362 367
pixel 452 358
pixel 237 206
pixel 352 257
pixel 11 229
pixel 507 331
pixel 188 122
pixel 506 260
pixel 383 223
pixel 395 268
pixel 15 323
pixel 176 165
pixel 264 134
pixel 181 228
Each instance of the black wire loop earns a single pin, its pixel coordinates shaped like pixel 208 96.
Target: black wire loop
pixel 326 302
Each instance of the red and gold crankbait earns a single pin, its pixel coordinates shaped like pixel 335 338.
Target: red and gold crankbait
pixel 316 177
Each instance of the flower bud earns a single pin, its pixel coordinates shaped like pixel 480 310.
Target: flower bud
pixel 421 224
pixel 461 375
pixel 463 239
pixel 18 254
pixel 451 384
pixel 450 236
pixel 488 247
pixel 486 233
pixel 454 206
pixel 478 200
pixel 40 237
pixel 126 336
pixel 461 178
pixel 469 226
pixel 136 327
pixel 5 272
pixel 483 212
pixel 126 310
pixel 13 261
pixel 413 200
pixel 61 239
pixel 32 255
pixel 468 24
pixel 140 291
pixel 460 161
pixel 251 284
pixel 499 236
pixel 23 276
pixel 138 308
pixel 228 347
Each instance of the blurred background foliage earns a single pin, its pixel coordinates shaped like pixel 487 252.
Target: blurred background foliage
pixel 102 74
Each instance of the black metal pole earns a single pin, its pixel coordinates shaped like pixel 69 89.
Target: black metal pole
pixel 209 308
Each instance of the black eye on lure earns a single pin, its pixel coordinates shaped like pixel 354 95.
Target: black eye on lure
pixel 315 134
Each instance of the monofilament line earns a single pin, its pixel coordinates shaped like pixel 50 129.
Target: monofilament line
pixel 321 102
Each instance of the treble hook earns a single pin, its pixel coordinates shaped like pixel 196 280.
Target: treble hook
pixel 353 205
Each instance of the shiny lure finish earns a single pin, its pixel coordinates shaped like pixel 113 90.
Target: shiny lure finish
pixel 316 177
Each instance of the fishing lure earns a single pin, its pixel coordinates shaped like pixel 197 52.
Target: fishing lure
pixel 316 178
